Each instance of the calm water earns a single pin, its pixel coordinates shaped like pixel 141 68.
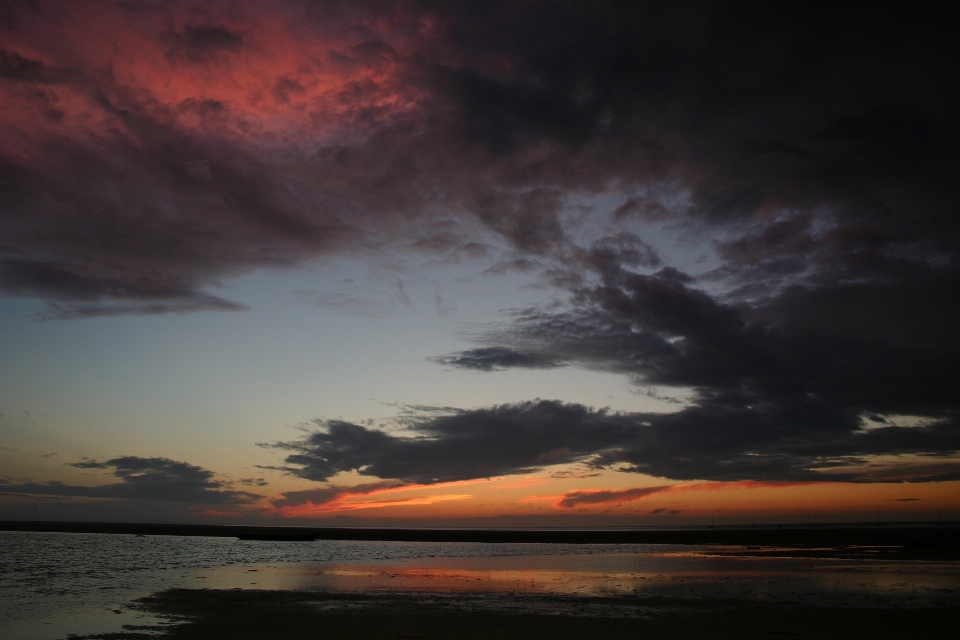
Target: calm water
pixel 53 585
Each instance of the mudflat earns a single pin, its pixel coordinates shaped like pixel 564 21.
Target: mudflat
pixel 294 615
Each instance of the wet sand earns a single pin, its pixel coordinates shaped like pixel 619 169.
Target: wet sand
pixel 295 615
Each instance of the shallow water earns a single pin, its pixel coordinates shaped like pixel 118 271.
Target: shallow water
pixel 53 584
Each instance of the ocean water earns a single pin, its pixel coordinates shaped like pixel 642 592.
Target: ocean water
pixel 53 585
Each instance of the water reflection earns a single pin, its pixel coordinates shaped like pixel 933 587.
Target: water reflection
pixel 55 584
pixel 835 582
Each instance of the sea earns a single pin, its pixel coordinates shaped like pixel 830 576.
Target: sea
pixel 60 585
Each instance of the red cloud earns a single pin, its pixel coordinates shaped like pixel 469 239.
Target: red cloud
pixel 255 73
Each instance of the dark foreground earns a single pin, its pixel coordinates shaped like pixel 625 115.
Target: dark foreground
pixel 267 615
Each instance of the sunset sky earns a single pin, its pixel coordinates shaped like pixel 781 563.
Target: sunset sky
pixel 479 263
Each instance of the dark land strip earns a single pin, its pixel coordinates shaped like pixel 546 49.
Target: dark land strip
pixel 920 541
pixel 293 615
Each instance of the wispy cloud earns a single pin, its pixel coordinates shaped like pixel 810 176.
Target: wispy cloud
pixel 497 358
pixel 401 502
pixel 607 496
pixel 619 496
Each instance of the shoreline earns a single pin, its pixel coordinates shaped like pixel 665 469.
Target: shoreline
pixel 917 541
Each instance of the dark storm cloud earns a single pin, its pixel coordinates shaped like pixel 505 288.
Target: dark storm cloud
pixel 813 146
pixel 621 250
pixel 458 445
pixel 771 400
pixel 13 66
pixel 74 292
pixel 144 206
pixel 824 163
pixel 330 494
pixel 820 139
pixel 661 330
pixel 724 437
pixel 159 479
pixel 203 40
pixel 804 102
pixel 820 147
pixel 741 437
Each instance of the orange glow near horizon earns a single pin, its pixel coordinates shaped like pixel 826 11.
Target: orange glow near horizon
pixel 346 500
pixel 311 509
pixel 755 499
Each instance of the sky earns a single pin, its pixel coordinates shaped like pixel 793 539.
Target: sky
pixel 527 263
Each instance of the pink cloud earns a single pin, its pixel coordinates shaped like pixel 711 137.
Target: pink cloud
pixel 335 498
pixel 619 496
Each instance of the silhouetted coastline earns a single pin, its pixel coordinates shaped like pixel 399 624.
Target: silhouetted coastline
pixel 921 540
pixel 212 614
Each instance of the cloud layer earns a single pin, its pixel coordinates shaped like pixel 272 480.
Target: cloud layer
pixel 796 381
pixel 158 479
pixel 723 437
pixel 211 140
pixel 811 148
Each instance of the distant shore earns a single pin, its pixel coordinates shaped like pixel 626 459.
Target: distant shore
pixel 940 540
